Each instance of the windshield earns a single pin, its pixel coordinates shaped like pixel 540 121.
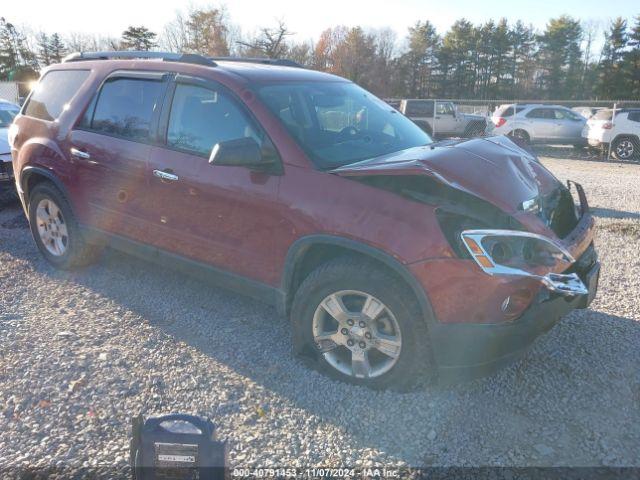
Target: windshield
pixel 340 123
pixel 7 114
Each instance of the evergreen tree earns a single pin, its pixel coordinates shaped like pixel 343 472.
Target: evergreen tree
pixel 138 38
pixel 560 57
pixel 16 58
pixel 44 49
pixel 420 60
pixel 57 48
pixel 611 79
pixel 458 54
pixel 522 64
pixel 631 63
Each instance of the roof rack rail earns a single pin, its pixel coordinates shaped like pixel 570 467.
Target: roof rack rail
pixel 283 62
pixel 135 55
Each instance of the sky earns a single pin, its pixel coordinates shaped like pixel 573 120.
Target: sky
pixel 306 19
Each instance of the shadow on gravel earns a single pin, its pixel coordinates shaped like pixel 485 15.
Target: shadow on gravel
pixel 567 152
pixel 554 391
pixel 612 213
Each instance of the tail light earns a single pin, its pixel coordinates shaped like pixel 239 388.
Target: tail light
pixel 607 125
pixel 501 121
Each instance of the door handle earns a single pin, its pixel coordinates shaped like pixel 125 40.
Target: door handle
pixel 79 153
pixel 166 174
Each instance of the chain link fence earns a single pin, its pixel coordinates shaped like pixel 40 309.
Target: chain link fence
pixel 10 91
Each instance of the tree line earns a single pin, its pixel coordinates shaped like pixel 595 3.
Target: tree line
pixel 494 59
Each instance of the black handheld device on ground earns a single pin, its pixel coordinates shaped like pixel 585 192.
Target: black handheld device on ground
pixel 176 447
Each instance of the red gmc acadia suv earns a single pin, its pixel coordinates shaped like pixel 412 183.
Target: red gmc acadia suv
pixel 392 256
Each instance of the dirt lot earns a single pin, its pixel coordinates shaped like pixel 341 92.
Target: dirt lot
pixel 82 352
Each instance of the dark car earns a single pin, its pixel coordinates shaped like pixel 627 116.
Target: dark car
pixel 391 255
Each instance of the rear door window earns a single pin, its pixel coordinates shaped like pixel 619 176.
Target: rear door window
pixel 546 113
pixel 126 107
pixel 53 93
pixel 566 114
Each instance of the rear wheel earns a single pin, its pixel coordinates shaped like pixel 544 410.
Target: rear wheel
pixel 625 148
pixel 56 231
pixel 361 326
pixel 521 136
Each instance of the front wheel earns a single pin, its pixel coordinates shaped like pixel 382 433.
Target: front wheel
pixel 362 326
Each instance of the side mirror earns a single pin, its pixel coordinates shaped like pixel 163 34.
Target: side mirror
pixel 242 152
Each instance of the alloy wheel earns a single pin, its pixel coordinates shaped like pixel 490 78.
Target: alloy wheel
pixel 52 228
pixel 357 334
pixel 625 149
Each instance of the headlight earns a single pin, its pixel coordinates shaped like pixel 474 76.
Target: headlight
pixel 512 252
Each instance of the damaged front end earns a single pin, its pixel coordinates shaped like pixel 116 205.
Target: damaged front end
pixel 511 252
pixel 498 206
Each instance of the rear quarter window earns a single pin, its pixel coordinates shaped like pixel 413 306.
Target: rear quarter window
pixel 53 93
pixel 634 116
pixel 506 112
pixel 419 108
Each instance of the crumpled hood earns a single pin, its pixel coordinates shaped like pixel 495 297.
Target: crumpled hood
pixel 493 168
pixel 4 141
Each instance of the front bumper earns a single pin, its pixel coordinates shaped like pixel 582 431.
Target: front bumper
pixel 470 350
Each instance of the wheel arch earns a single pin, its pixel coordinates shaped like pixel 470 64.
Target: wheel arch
pixel 631 136
pixel 309 252
pixel 32 175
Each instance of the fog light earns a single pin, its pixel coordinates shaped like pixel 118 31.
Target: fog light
pixel 516 303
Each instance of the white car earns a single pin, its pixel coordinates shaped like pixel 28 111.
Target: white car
pixel 620 128
pixel 8 111
pixel 537 123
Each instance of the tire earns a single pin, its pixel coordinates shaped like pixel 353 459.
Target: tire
pixel 521 135
pixel 399 316
pixel 55 229
pixel 625 148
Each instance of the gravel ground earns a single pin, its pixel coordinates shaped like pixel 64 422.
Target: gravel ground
pixel 82 352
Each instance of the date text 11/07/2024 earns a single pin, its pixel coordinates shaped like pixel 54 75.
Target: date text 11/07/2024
pixel 315 473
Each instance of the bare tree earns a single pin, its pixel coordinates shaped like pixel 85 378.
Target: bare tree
pixel 271 42
pixel 204 31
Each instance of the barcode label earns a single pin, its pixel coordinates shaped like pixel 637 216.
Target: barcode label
pixel 177 458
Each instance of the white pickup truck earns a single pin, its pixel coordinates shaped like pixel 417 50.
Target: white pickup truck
pixel 446 121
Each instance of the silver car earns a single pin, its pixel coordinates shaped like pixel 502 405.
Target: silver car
pixel 537 123
pixel 8 111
